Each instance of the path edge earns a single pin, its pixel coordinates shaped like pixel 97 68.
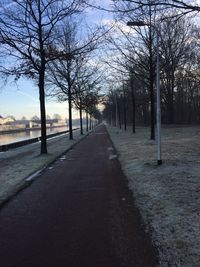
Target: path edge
pixel 147 227
pixel 28 180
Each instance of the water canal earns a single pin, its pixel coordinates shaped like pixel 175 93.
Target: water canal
pixel 19 136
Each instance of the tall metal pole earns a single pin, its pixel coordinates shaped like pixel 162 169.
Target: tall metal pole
pixel 158 110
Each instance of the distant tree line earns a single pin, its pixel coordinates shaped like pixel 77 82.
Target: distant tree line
pixel 132 100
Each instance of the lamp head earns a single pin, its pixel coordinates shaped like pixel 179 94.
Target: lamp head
pixel 136 23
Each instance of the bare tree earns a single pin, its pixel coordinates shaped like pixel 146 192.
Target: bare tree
pixel 174 40
pixel 141 47
pixel 90 102
pixel 87 81
pixel 64 73
pixel 27 32
pixel 35 118
pixel 179 56
pixel 183 5
pixel 57 116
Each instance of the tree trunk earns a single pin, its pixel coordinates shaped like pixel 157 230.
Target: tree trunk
pixel 119 116
pixel 90 122
pixel 116 111
pixel 133 106
pixel 70 114
pixel 87 121
pixel 124 101
pixel 81 119
pixel 42 110
pixel 171 111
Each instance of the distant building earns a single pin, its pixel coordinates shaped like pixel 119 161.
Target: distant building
pixel 7 120
pixel 24 123
pixel 10 124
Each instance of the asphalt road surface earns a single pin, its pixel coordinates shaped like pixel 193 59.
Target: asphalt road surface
pixel 78 213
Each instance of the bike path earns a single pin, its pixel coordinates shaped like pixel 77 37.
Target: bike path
pixel 78 213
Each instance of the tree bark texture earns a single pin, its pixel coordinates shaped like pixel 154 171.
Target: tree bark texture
pixel 70 114
pixel 43 149
pixel 81 120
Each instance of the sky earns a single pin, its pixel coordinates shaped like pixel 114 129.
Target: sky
pixel 22 99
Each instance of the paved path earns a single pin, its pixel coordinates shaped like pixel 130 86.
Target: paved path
pixel 78 213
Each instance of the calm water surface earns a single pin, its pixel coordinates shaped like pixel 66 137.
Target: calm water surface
pixel 15 137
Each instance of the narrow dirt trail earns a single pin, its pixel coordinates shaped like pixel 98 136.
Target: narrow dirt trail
pixel 78 213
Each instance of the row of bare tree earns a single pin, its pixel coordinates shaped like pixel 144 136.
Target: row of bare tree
pixel 133 64
pixel 42 40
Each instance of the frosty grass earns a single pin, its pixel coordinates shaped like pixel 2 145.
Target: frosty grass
pixel 168 196
pixel 16 165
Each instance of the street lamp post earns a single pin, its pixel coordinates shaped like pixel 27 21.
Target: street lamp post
pixel 158 110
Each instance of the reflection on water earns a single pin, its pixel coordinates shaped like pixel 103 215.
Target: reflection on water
pixel 15 137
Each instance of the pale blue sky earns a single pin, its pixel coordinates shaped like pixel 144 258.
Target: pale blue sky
pixel 22 99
